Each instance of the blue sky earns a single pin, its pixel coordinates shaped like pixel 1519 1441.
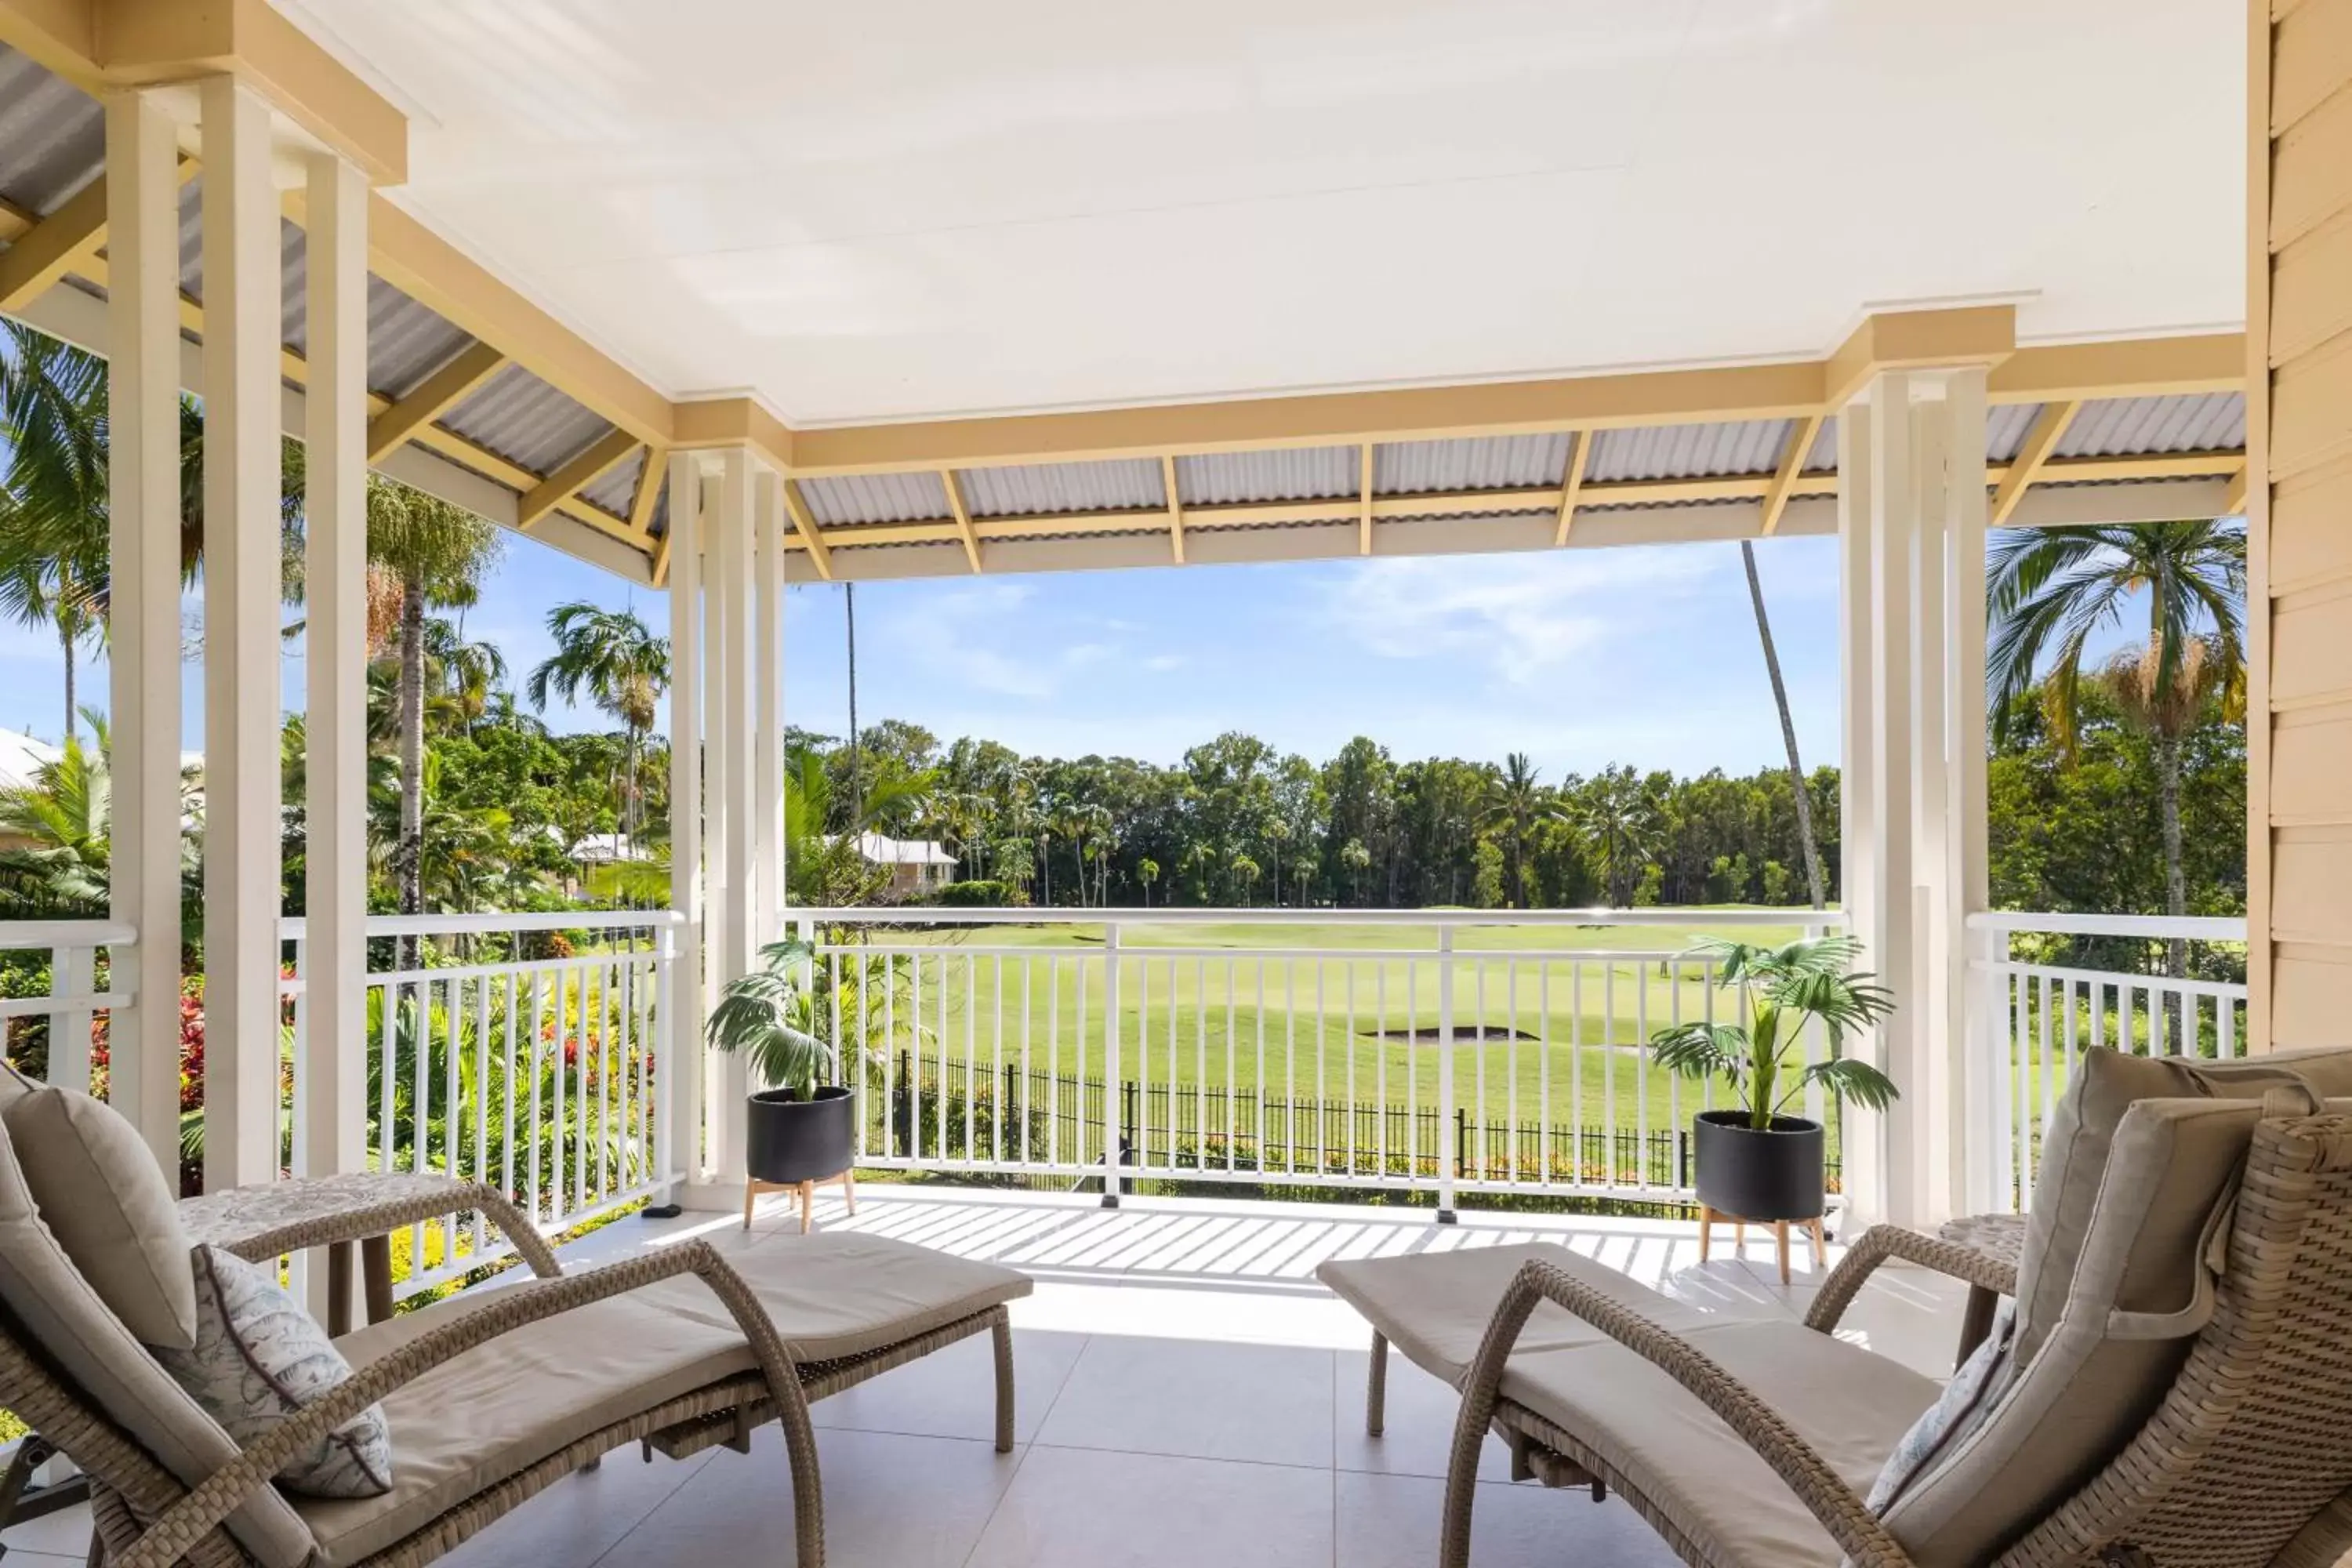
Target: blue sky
pixel 1578 658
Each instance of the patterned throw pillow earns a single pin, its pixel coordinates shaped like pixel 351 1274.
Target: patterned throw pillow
pixel 1962 1406
pixel 259 1358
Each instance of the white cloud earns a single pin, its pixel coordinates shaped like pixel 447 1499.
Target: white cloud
pixel 1523 615
pixel 989 638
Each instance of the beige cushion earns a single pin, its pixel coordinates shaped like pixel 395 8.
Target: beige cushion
pixel 506 1405
pixel 56 1309
pixel 106 1201
pixel 1853 1406
pixel 1434 1305
pixel 2124 1318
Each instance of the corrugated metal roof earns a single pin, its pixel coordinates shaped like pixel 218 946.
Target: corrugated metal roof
pixel 52 135
pixel 2118 427
pixel 2005 427
pixel 616 490
pixel 406 342
pixel 1230 479
pixel 1482 463
pixel 525 421
pixel 1688 451
pixel 1822 458
pixel 879 497
pixel 1063 487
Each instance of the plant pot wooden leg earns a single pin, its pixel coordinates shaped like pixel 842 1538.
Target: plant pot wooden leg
pixel 808 1202
pixel 1821 1246
pixel 1780 1246
pixel 849 1192
pixel 751 1193
pixel 1706 1231
pixel 1739 1239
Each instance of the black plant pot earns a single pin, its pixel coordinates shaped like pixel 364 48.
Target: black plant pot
pixel 1745 1173
pixel 794 1140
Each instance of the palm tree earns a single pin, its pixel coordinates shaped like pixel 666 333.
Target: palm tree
pixel 437 554
pixel 1147 871
pixel 2051 590
pixel 1514 802
pixel 856 772
pixel 624 666
pixel 1356 860
pixel 1788 731
pixel 1619 828
pixel 1246 873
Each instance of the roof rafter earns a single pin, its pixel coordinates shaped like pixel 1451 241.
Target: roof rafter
pixel 64 241
pixel 2233 501
pixel 648 491
pixel 1364 499
pixel 963 517
pixel 432 397
pixel 811 538
pixel 1792 464
pixel 2040 441
pixel 1175 507
pixel 592 463
pixel 1572 481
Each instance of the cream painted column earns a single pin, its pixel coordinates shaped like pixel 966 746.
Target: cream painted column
pixel 242 588
pixel 143 616
pixel 683 1006
pixel 731 836
pixel 1912 525
pixel 768 706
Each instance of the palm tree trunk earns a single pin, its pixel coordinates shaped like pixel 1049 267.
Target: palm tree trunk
pixel 1788 731
pixel 64 641
pixel 2176 882
pixel 857 771
pixel 408 852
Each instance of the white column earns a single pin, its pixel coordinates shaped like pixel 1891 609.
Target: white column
pixel 1963 874
pixel 143 619
pixel 683 1130
pixel 731 834
pixel 331 1120
pixel 768 705
pixel 241 294
pixel 1861 1147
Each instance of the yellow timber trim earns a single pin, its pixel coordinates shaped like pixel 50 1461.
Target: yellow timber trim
pixel 1792 466
pixel 1364 501
pixel 430 398
pixel 100 44
pixel 1175 513
pixel 706 422
pixel 66 240
pixel 954 487
pixel 2135 367
pixel 593 461
pixel 14 221
pixel 2233 502
pixel 1571 482
pixel 1916 339
pixel 812 539
pixel 649 488
pixel 2032 454
pixel 1464 503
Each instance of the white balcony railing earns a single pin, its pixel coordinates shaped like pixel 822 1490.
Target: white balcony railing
pixel 1169 1045
pixel 500 1049
pixel 70 951
pixel 2034 1013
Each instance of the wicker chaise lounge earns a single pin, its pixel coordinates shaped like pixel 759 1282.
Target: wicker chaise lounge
pixel 490 1396
pixel 2172 1387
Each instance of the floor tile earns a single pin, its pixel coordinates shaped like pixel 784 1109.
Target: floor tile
pixel 1072 1508
pixel 952 1393
pixel 890 1501
pixel 1271 1404
pixel 580 1517
pixel 1417 1438
pixel 1392 1521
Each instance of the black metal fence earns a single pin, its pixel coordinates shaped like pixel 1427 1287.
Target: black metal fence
pixel 971 1115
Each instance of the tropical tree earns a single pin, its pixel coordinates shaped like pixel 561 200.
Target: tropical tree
pixel 436 554
pixel 623 667
pixel 1619 828
pixel 2051 591
pixel 1356 860
pixel 1813 884
pixel 1147 871
pixel 1514 802
pixel 1247 873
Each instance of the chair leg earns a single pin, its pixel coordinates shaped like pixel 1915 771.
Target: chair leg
pixel 1461 1491
pixel 1001 1332
pixel 808 1489
pixel 1376 1391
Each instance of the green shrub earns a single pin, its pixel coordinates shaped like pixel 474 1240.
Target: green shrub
pixel 987 894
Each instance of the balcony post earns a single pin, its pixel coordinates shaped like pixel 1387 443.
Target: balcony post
pixel 143 618
pixel 678 1085
pixel 1449 1134
pixel 242 590
pixel 330 1069
pixel 768 705
pixel 729 833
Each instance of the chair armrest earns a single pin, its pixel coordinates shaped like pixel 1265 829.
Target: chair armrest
pixel 203 1509
pixel 1985 1271
pixel 1857 1530
pixel 258 1223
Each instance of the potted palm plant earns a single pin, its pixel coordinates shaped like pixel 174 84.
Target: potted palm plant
pixel 1754 1162
pixel 799 1131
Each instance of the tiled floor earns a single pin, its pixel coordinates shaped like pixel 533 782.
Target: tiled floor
pixel 1188 1395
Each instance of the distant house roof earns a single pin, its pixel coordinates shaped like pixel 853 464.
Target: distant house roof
pixel 607 848
pixel 880 849
pixel 22 757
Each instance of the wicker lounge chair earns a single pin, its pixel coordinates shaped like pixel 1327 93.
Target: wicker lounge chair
pixel 491 1396
pixel 2174 1388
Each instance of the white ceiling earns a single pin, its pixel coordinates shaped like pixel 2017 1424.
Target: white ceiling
pixel 910 207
